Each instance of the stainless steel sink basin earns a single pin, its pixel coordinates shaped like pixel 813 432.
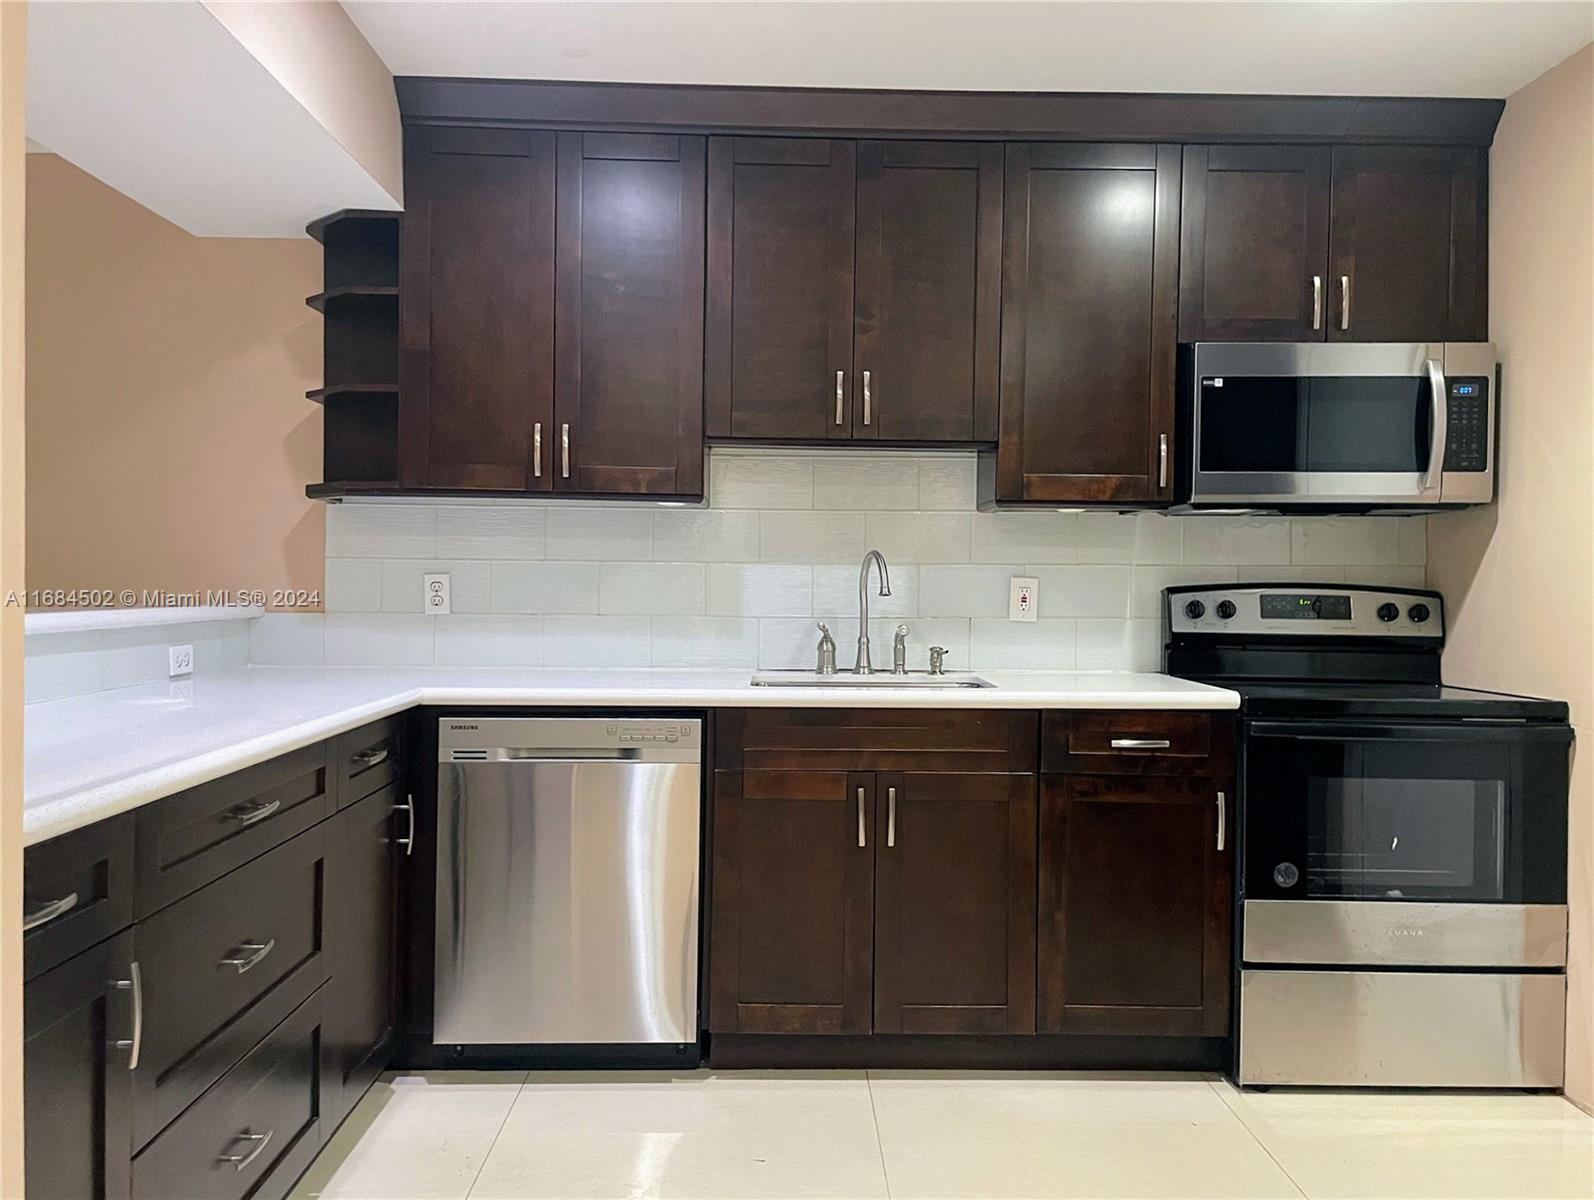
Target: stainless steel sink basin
pixel 881 679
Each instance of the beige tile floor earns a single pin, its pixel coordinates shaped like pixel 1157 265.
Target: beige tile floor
pixel 856 1134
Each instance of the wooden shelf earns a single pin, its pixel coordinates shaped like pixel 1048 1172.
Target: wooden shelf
pixel 350 391
pixel 338 489
pixel 356 227
pixel 324 302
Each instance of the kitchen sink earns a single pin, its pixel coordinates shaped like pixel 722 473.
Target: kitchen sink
pixel 881 679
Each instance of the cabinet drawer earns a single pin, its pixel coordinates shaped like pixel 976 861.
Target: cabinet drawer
pixel 254 1132
pixel 368 759
pixel 77 890
pixel 189 839
pixel 1137 743
pixel 222 968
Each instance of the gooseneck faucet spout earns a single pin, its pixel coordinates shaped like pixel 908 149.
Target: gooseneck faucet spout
pixel 864 666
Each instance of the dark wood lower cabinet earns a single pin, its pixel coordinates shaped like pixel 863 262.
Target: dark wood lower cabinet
pixel 1135 906
pixel 954 903
pixel 77 1091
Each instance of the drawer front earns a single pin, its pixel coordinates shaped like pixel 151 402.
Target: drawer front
pixel 222 968
pixel 369 759
pixel 875 739
pixel 1137 743
pixel 187 840
pixel 77 890
pixel 254 1132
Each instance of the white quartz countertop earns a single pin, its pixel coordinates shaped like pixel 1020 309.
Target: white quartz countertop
pixel 91 757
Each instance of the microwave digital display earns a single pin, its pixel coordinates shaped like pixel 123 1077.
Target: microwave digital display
pixel 1295 607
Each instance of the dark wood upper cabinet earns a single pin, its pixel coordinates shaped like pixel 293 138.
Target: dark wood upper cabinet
pixel 1405 261
pixel 954 903
pixel 1088 294
pixel 1135 906
pixel 628 369
pixel 476 318
pixel 927 291
pixel 1343 243
pixel 792 904
pixel 780 287
pixel 1254 244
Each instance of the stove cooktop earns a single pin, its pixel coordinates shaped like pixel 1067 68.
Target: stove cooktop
pixel 1415 701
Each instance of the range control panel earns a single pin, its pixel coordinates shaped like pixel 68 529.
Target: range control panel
pixel 1294 610
pixel 1467 433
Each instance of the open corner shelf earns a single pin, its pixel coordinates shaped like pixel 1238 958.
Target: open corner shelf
pixel 339 297
pixel 352 392
pixel 349 228
pixel 343 488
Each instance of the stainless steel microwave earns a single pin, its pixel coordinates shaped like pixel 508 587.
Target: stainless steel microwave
pixel 1335 426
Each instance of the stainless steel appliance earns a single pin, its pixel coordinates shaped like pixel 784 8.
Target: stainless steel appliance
pixel 567 881
pixel 1335 426
pixel 1402 916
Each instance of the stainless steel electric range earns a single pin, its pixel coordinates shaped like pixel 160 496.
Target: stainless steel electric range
pixel 1402 899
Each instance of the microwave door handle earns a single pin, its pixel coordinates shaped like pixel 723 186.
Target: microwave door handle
pixel 1440 433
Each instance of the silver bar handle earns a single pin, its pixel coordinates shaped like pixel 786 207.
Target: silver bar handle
pixel 135 984
pixel 1317 301
pixel 242 1161
pixel 369 758
pixel 1344 301
pixel 891 816
pixel 256 955
pixel 1140 743
pixel 867 399
pixel 1439 436
pixel 253 814
pixel 536 449
pixel 48 911
pixel 1162 460
pixel 862 839
pixel 564 450
pixel 1223 818
pixel 840 390
pixel 408 808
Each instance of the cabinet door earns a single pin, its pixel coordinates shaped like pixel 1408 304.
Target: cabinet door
pixel 476 318
pixel 77 1089
pixel 792 902
pixel 1088 287
pixel 1135 928
pixel 1404 245
pixel 928 281
pixel 362 939
pixel 628 373
pixel 1254 244
pixel 780 288
pixel 954 903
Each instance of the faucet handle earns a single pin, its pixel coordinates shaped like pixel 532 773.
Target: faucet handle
pixel 938 660
pixel 827 651
pixel 899 651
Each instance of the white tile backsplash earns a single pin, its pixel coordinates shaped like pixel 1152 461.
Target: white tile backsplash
pixel 742 581
pixel 58 665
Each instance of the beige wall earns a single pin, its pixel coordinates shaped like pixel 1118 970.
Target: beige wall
pixel 1518 576
pixel 169 440
pixel 13 63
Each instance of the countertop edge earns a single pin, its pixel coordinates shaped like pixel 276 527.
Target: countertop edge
pixel 69 811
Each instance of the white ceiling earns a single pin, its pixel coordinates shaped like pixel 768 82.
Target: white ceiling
pixel 1300 48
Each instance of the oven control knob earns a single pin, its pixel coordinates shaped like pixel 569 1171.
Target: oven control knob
pixel 1286 875
pixel 1388 612
pixel 1195 610
pixel 1226 609
pixel 1418 613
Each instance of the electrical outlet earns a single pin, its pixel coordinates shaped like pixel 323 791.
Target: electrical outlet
pixel 1023 598
pixel 179 661
pixel 436 598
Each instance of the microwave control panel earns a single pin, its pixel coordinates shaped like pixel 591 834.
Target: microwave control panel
pixel 1467 432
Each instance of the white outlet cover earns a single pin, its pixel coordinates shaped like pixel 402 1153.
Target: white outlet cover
pixel 179 661
pixel 1023 598
pixel 436 598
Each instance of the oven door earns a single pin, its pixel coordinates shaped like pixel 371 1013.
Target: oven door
pixel 1325 424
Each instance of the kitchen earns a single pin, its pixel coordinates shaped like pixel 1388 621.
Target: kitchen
pixel 856 624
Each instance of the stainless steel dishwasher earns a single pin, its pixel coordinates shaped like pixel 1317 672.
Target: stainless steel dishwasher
pixel 567 880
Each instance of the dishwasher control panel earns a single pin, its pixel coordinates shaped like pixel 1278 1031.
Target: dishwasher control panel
pixel 508 739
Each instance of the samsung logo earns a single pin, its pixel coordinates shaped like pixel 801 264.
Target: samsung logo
pixel 458 725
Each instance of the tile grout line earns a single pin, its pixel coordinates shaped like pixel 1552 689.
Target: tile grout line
pixel 497 1133
pixel 879 1142
pixel 1255 1137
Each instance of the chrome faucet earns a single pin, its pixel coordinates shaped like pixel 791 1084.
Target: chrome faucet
pixel 863 666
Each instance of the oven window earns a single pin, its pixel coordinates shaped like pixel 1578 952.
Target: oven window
pixel 1324 423
pixel 1394 839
